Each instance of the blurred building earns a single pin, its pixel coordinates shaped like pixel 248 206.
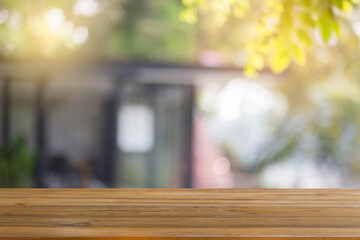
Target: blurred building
pixel 104 125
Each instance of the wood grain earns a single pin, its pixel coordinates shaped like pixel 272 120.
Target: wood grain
pixel 172 213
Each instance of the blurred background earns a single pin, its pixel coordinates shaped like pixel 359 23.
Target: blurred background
pixel 122 93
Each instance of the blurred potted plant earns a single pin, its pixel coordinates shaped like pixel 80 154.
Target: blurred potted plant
pixel 16 164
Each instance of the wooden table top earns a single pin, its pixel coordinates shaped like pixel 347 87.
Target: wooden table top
pixel 172 213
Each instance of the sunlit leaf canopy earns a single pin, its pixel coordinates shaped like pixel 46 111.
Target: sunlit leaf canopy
pixel 248 34
pixel 40 28
pixel 95 29
pixel 280 31
pixel 318 43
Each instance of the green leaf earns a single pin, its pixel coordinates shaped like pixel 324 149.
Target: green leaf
pixel 306 3
pixel 241 8
pixel 325 26
pixel 287 22
pixel 336 27
pixel 257 61
pixel 304 37
pixel 279 61
pixel 250 72
pixel 188 15
pixel 188 2
pixel 298 54
pixel 347 6
pixel 307 19
pixel 338 3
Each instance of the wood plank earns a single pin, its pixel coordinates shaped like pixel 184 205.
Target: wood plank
pixel 119 214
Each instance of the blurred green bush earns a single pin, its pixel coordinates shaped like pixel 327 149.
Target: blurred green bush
pixel 16 164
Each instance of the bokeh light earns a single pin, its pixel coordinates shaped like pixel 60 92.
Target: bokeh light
pixel 221 166
pixel 55 19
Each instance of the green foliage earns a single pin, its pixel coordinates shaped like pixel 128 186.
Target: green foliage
pixel 16 165
pixel 151 31
pixel 281 32
pixel 220 9
pixel 322 125
pixel 279 61
pixel 136 30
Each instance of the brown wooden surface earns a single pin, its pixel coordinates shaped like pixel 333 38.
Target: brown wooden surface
pixel 172 213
